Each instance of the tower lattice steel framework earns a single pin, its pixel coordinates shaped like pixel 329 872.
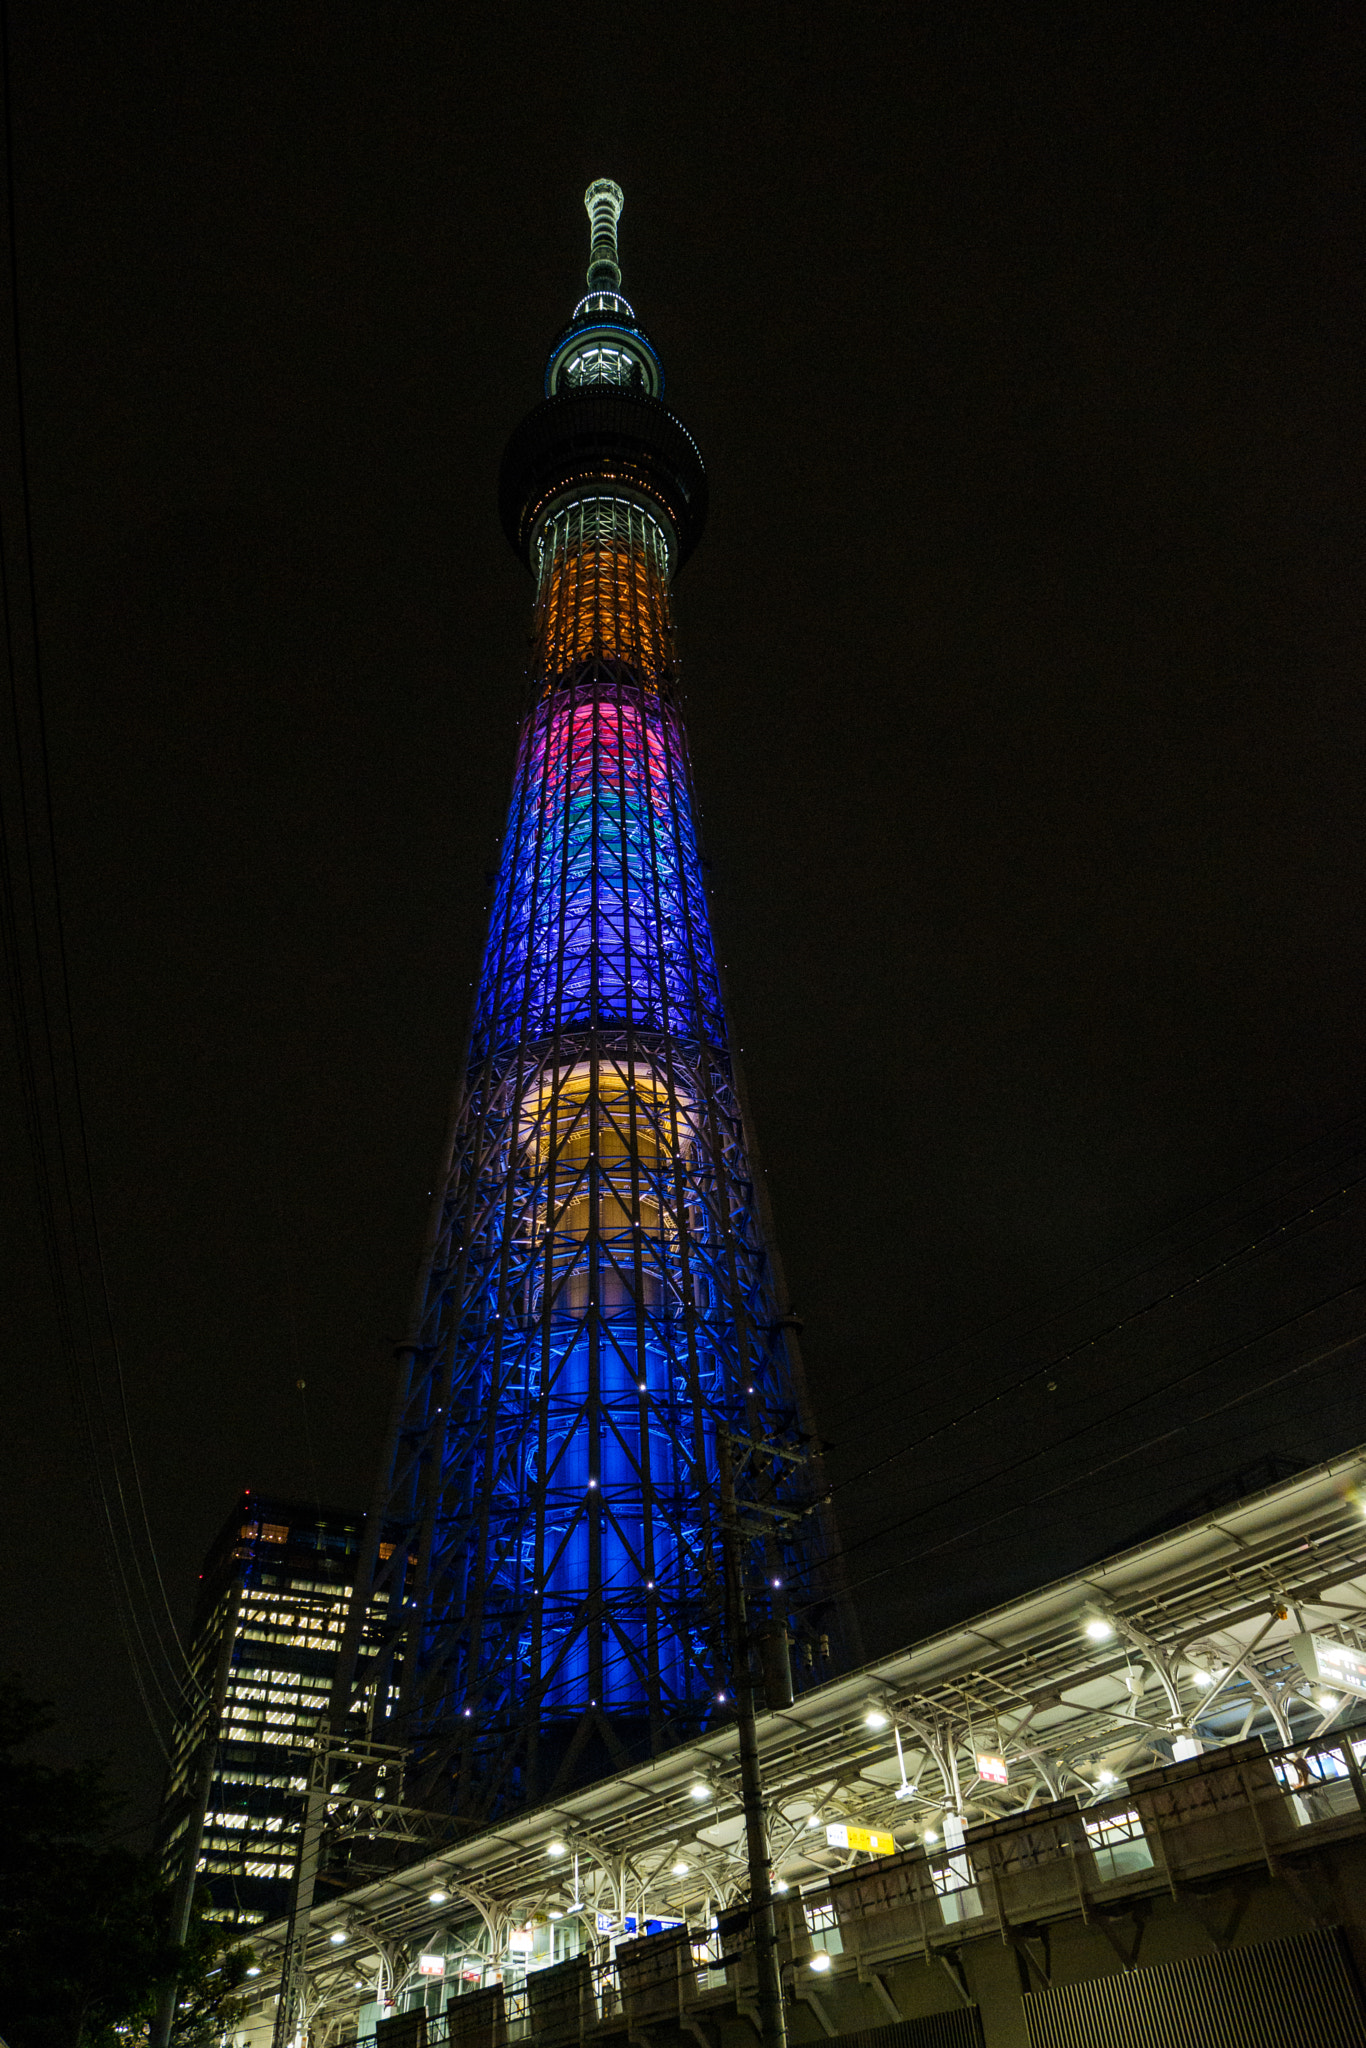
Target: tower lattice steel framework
pixel 599 1296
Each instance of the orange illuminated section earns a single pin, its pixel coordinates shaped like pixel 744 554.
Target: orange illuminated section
pixel 604 591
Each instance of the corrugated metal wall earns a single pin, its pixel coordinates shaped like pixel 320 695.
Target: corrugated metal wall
pixel 958 2029
pixel 1296 1993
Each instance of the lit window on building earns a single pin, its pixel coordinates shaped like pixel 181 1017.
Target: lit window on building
pixel 1320 1782
pixel 822 1924
pixel 1118 1844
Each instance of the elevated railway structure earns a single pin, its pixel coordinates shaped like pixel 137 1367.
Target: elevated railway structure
pixel 1131 1795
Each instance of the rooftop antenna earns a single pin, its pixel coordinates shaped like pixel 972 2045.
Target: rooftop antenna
pixel 603 202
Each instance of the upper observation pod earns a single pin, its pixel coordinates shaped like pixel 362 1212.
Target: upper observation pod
pixel 602 423
pixel 603 343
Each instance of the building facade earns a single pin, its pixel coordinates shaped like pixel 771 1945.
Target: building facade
pixel 274 1593
pixel 600 1311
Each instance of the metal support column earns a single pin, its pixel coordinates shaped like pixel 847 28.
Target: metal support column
pixel 772 2019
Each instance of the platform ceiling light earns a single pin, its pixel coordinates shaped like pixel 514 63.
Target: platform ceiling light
pixel 1107 1778
pixel 699 1790
pixel 875 1718
pixel 679 1869
pixel 1099 1630
pixel 438 1897
pixel 930 1835
pixel 1328 1701
pixel 253 1969
pixel 337 1936
pixel 814 1821
pixel 780 1885
pixel 820 1962
pixel 1202 1678
pixel 557 1848
pixel 555 1913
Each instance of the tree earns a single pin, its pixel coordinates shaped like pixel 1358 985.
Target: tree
pixel 210 1974
pixel 85 1943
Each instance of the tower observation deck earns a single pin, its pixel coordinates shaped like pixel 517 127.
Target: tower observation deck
pixel 599 1298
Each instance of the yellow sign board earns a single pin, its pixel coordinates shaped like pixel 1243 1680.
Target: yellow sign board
pixel 873 1841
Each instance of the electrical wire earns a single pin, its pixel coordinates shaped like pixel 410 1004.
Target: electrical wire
pixel 1107 1464
pixel 1103 1421
pixel 1047 1316
pixel 1056 1363
pixel 62 1159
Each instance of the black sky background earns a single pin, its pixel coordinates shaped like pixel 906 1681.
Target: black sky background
pixel 1023 660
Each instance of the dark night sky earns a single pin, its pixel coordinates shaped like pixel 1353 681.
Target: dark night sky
pixel 1024 671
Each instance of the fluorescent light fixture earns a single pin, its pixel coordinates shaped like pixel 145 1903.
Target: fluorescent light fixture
pixel 438 1897
pixel 253 1969
pixel 1098 1629
pixel 875 1718
pixel 555 1913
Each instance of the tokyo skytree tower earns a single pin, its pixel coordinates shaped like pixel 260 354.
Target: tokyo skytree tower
pixel 599 1297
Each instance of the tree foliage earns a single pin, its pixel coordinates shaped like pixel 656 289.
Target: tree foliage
pixel 85 1926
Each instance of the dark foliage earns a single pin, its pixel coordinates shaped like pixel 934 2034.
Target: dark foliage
pixel 85 1940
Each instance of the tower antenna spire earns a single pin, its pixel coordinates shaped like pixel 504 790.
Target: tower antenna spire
pixel 603 202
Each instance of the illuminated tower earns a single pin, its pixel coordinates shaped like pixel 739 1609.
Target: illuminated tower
pixel 599 1296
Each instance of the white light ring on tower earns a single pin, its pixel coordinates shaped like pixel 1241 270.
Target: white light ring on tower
pixel 620 517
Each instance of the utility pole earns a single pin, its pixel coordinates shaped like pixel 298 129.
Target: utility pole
pixel 330 1748
pixel 289 2005
pixel 772 2019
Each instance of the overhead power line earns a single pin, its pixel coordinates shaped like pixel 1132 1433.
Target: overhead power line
pixel 1044 1317
pixel 32 929
pixel 1108 1464
pixel 1107 1420
pixel 1062 1358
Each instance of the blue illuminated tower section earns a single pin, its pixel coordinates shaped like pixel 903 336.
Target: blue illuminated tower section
pixel 599 1297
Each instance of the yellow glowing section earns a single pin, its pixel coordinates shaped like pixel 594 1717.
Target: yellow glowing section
pixel 626 1124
